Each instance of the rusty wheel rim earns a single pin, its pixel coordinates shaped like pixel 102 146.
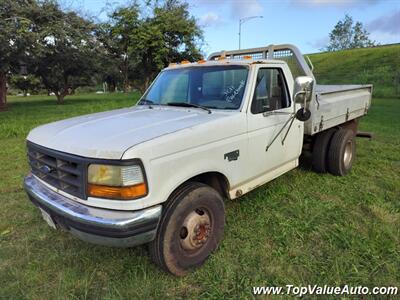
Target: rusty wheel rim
pixel 195 230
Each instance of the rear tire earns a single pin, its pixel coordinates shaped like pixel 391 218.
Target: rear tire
pixel 190 229
pixel 342 152
pixel 320 151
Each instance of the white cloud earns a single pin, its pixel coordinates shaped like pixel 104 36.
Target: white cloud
pixel 334 3
pixel 245 8
pixel 210 19
pixel 235 9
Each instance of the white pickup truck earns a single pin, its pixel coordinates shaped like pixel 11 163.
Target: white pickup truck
pixel 159 172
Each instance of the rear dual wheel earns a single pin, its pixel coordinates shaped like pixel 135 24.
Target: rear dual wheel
pixel 320 150
pixel 190 229
pixel 334 151
pixel 342 152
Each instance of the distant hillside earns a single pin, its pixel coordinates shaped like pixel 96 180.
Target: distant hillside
pixel 378 65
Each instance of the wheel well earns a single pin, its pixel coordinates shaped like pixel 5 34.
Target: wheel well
pixel 215 180
pixel 352 125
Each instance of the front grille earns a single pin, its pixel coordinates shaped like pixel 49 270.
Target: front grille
pixel 61 170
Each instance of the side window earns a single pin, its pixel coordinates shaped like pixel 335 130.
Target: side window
pixel 270 92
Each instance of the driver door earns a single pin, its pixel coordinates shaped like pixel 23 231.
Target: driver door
pixel 268 114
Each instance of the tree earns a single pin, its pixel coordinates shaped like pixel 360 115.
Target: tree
pixel 118 36
pixel 68 51
pixel 143 45
pixel 169 35
pixel 347 35
pixel 16 40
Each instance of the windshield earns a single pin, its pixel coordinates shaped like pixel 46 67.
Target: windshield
pixel 219 87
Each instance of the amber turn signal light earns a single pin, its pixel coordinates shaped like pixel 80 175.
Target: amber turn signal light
pixel 119 193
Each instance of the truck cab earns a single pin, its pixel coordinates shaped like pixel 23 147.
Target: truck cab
pixel 204 132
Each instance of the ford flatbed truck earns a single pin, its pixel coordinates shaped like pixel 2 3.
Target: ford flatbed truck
pixel 158 172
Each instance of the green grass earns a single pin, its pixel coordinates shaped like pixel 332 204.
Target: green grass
pixel 302 228
pixel 379 66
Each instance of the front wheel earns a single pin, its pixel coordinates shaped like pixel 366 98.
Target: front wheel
pixel 190 229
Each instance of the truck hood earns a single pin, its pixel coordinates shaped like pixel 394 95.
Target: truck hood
pixel 109 134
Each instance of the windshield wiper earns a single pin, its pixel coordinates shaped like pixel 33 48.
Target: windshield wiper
pixel 185 104
pixel 146 102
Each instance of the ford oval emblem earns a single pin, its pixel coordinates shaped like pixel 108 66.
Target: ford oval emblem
pixel 46 169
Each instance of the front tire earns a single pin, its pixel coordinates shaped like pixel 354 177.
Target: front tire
pixel 342 152
pixel 190 229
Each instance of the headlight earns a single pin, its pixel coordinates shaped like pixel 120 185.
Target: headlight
pixel 116 182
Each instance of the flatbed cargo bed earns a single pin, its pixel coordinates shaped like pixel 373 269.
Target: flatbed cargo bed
pixel 333 105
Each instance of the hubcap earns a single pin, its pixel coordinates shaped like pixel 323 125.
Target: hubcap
pixel 195 230
pixel 348 154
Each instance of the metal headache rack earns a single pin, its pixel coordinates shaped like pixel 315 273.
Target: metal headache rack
pixel 285 52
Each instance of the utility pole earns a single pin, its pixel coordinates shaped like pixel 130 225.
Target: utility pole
pixel 243 20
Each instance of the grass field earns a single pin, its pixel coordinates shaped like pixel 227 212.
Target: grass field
pixel 378 65
pixel 302 228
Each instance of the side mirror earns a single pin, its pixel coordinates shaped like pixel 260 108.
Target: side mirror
pixel 303 87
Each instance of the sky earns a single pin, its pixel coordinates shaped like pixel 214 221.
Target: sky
pixel 305 23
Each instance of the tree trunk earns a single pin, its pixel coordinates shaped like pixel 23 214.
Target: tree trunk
pixel 125 75
pixel 3 91
pixel 64 91
pixel 144 85
pixel 111 87
pixel 147 83
pixel 60 98
pixel 126 83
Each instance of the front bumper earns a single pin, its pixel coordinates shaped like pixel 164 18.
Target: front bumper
pixel 95 225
